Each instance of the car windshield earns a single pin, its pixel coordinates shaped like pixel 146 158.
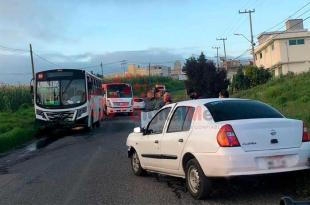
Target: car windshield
pixel 241 109
pixel 119 91
pixel 61 92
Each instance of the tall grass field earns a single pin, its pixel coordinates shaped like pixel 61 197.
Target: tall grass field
pixel 12 97
pixel 16 117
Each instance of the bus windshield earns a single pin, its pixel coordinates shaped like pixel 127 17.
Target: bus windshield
pixel 119 91
pixel 53 93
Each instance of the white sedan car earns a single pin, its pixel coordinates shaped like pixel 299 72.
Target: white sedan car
pixel 201 139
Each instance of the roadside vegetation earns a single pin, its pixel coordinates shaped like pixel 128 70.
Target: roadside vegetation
pixel 290 94
pixel 203 78
pixel 16 117
pixel 11 97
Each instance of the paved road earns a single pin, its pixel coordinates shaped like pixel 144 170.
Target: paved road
pixel 92 168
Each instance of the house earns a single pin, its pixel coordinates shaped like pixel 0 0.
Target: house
pixel 284 51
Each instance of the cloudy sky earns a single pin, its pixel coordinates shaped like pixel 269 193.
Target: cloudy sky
pixel 77 34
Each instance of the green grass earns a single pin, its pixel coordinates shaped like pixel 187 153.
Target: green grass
pixel 16 128
pixel 289 94
pixel 179 95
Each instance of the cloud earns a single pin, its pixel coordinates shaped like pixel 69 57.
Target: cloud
pixel 33 21
pixel 17 67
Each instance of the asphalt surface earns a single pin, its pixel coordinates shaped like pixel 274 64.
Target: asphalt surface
pixel 93 168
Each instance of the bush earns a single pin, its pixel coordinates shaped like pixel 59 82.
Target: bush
pixel 251 77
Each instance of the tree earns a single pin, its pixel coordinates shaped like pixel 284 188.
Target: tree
pixel 203 77
pixel 240 81
pixel 257 75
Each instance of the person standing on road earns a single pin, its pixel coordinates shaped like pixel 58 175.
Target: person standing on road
pixel 149 101
pixel 167 98
pixel 159 103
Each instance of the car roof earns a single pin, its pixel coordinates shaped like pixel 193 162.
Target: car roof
pixel 199 102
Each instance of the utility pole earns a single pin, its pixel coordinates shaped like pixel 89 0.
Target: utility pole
pixel 148 82
pixel 32 64
pixel 123 63
pixel 223 39
pixel 251 29
pixel 101 70
pixel 217 55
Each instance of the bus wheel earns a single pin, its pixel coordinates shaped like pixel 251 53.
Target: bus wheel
pixel 91 123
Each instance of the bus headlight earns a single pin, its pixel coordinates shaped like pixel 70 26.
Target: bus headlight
pixel 81 111
pixel 41 113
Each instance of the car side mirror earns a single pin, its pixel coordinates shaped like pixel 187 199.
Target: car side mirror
pixel 137 130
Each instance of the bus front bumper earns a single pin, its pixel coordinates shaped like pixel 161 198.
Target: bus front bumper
pixel 62 124
pixel 111 110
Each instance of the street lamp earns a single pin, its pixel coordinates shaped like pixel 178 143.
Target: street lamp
pixel 252 44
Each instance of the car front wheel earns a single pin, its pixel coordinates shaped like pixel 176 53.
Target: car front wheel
pixel 197 183
pixel 136 165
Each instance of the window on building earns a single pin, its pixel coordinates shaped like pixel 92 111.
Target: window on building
pixel 294 42
pixel 300 41
pixel 260 55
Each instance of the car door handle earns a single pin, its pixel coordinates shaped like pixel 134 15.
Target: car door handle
pixel 180 140
pixel 156 141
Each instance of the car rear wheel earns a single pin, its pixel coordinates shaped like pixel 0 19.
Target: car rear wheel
pixel 197 183
pixel 136 165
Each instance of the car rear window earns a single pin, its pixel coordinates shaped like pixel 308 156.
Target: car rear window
pixel 241 109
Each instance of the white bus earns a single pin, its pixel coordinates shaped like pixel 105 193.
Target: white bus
pixel 118 98
pixel 68 98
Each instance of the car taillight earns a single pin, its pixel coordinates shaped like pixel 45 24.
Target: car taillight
pixel 305 135
pixel 226 137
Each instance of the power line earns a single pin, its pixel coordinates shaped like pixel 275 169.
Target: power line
pixel 245 52
pixel 285 30
pixel 290 16
pixel 13 49
pixel 236 24
pixel 46 60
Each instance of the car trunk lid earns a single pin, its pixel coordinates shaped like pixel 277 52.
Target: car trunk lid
pixel 267 134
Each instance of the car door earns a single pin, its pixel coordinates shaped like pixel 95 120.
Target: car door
pixel 175 137
pixel 150 142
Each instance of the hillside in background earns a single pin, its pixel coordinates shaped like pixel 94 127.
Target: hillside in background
pixel 289 94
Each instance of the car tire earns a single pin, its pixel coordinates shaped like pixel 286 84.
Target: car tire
pixel 198 185
pixel 136 165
